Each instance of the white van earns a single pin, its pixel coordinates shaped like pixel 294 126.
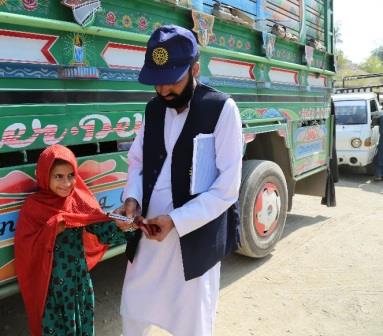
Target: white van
pixel 357 130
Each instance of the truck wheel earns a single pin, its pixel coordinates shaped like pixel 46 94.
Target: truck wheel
pixel 263 207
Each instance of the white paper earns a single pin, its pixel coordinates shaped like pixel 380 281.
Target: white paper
pixel 204 169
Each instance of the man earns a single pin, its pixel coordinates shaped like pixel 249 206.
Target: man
pixel 172 279
pixel 379 154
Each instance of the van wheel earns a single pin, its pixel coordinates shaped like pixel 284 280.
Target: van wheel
pixel 263 207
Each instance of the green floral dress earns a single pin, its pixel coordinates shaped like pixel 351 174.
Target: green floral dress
pixel 69 308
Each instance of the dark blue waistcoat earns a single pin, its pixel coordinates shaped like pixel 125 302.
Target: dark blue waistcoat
pixel 204 247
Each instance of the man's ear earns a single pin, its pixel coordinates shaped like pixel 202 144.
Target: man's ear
pixel 195 69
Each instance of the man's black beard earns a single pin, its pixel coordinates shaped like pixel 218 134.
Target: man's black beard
pixel 182 99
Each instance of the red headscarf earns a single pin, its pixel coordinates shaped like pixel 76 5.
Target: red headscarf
pixel 37 228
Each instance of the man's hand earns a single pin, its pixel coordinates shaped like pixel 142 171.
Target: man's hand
pixel 161 226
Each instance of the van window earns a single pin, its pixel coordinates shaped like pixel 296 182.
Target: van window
pixel 373 106
pixel 350 112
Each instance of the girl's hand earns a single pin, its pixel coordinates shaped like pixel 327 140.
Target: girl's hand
pixel 131 207
pixel 126 225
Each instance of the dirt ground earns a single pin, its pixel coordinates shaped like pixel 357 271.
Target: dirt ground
pixel 324 278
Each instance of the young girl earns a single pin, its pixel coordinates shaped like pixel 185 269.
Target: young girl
pixel 56 246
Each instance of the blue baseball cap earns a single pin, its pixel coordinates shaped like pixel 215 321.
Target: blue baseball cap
pixel 170 52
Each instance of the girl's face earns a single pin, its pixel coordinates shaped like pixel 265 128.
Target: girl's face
pixel 62 179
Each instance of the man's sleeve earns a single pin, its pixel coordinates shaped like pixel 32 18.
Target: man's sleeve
pixel 225 190
pixel 133 187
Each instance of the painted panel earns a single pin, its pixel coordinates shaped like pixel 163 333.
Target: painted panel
pixel 318 81
pixel 283 76
pixel 231 68
pixel 310 148
pixel 20 47
pixel 104 174
pixel 123 56
pixel 39 131
pixel 309 140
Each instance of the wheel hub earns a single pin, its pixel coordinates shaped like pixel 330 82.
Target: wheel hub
pixel 267 209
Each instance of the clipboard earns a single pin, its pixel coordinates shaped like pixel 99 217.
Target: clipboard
pixel 204 169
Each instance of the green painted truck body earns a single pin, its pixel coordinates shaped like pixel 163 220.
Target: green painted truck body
pixel 75 83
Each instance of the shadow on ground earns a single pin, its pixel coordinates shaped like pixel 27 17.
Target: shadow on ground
pixel 351 177
pixel 236 266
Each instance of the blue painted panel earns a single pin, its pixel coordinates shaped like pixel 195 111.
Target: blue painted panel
pixel 8 224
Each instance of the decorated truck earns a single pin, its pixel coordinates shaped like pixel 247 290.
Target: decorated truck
pixel 68 75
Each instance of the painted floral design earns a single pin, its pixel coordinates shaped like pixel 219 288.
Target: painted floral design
pixel 203 23
pixel 30 5
pixel 287 114
pixel 239 44
pixel 156 26
pixel 222 41
pixel 272 113
pixel 142 23
pixel 213 38
pixel 126 21
pixel 111 18
pixel 231 42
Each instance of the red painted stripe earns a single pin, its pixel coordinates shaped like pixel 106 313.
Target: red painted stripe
pixel 288 71
pixel 50 39
pixel 114 45
pixel 250 65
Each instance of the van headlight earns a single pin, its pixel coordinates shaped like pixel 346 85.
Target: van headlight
pixel 356 142
pixel 368 142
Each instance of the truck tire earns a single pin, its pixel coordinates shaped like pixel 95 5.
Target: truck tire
pixel 263 207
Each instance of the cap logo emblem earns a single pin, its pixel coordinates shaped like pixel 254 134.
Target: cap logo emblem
pixel 160 56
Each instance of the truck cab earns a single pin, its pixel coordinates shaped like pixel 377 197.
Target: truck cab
pixel 357 132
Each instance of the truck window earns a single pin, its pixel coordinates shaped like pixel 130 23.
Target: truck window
pixel 350 112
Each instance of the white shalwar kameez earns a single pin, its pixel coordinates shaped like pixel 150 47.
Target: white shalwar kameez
pixel 155 291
